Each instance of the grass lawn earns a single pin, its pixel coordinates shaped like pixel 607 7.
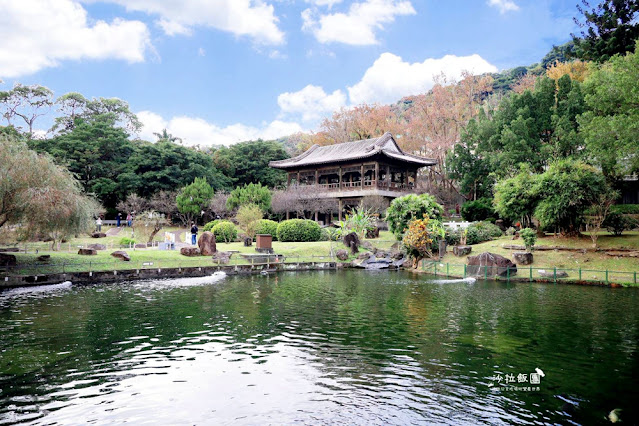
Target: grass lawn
pixel 592 264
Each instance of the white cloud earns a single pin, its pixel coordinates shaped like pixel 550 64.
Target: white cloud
pixel 358 25
pixel 37 34
pixel 328 3
pixel 312 102
pixel 253 18
pixel 197 131
pixel 504 6
pixel 390 78
pixel 201 52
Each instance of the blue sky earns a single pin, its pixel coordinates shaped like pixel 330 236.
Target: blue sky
pixel 222 71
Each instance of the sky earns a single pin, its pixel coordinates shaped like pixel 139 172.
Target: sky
pixel 217 72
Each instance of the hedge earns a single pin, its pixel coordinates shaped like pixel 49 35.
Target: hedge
pixel 225 232
pixel 266 226
pixel 298 230
pixel 211 224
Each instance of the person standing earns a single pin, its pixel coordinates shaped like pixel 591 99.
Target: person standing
pixel 98 224
pixel 129 220
pixel 118 219
pixel 193 233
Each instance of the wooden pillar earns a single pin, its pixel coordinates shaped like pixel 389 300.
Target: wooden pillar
pixel 376 177
pixel 339 213
pixel 361 175
pixel 340 179
pixel 298 177
pixel 288 179
pixel 388 176
pixel 316 177
pixel 288 215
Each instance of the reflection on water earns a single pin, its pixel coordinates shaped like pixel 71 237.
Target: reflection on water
pixel 345 347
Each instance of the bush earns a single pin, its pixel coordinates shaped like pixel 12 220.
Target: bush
pixel 529 236
pixel 126 241
pixel 453 236
pixel 481 209
pixel 330 234
pixel 210 225
pixel 510 231
pixel 266 226
pixel 298 230
pixel 247 216
pixel 616 223
pixel 625 208
pixel 409 207
pixel 225 232
pixel 482 231
pixel 253 193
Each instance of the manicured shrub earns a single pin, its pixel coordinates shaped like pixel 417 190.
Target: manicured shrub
pixel 529 236
pixel 266 226
pixel 225 232
pixel 210 225
pixel 453 236
pixel 616 223
pixel 482 231
pixel 298 230
pixel 481 209
pixel 409 207
pixel 126 241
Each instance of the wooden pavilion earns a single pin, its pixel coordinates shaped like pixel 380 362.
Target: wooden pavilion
pixel 352 170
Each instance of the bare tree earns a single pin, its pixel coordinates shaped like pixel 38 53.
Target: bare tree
pixel 154 221
pixel 133 204
pixel 375 204
pixel 218 204
pixel 301 199
pixel 164 202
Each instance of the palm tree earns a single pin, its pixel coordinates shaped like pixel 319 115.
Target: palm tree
pixel 166 136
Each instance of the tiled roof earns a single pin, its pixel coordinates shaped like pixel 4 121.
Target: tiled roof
pixel 349 151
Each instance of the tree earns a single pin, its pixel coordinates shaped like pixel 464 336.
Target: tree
pixel 72 105
pixel 250 194
pixel 152 220
pixel 42 196
pixel 599 213
pixel 167 137
pixel 133 204
pixel 609 29
pixel 164 203
pixel 247 162
pixel 26 102
pixel 247 217
pixel 515 198
pixel 218 204
pixel 404 209
pixel 610 127
pixel 565 191
pixel 193 199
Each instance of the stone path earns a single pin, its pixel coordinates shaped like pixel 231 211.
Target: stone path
pixel 111 232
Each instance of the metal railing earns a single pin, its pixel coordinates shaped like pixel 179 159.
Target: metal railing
pixel 529 273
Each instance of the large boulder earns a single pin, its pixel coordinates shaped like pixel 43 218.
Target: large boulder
pixel 44 258
pixel 122 255
pixel 352 242
pixel 552 274
pixel 523 258
pixel 7 260
pixel 342 254
pixel 206 243
pixel 462 250
pixel 98 235
pixel 222 257
pixel 87 252
pixel 190 251
pixel 97 246
pixel 141 245
pixel 490 264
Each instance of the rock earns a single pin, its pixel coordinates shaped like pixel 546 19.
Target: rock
pixel 190 251
pixel 98 235
pixel 7 260
pixel 378 264
pixel 122 255
pixel 551 274
pixel 342 254
pixel 367 245
pixel 44 258
pixel 97 246
pixel 462 250
pixel 501 225
pixel 87 252
pixel 490 264
pixel 362 260
pixel 141 245
pixel 352 242
pixel 222 257
pixel 523 258
pixel 515 236
pixel 395 246
pixel 399 263
pixel 9 250
pixel 206 243
pixel 396 255
pixel 372 233
pixel 366 255
pixel 248 241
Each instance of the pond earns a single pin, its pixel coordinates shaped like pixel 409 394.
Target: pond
pixel 328 347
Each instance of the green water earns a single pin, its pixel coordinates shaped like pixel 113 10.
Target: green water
pixel 317 348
